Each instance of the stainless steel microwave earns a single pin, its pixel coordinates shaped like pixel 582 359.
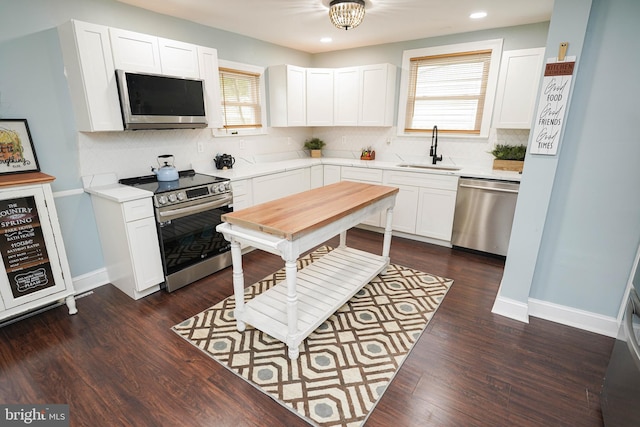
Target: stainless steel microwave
pixel 152 101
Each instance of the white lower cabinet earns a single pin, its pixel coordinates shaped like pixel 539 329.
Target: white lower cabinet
pixel 34 271
pixel 331 174
pixel 405 211
pixel 130 245
pixel 425 204
pixel 435 213
pixel 241 194
pixel 274 186
pixel 317 176
pixel 369 176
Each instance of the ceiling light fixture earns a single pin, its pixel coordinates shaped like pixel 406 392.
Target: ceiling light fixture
pixel 478 15
pixel 346 14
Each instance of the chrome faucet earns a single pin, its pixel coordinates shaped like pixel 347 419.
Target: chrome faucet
pixel 433 151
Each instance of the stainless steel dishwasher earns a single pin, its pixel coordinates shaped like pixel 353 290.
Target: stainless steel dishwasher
pixel 484 214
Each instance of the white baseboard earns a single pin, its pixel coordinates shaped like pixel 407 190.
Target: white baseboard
pixel 569 316
pixel 511 308
pixel 90 281
pixel 585 320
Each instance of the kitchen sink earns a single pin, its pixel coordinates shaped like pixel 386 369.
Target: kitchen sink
pixel 428 166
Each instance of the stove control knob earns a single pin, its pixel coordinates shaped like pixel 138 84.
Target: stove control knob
pixel 181 196
pixel 221 188
pixel 172 197
pixel 162 200
pixel 227 186
pixel 215 189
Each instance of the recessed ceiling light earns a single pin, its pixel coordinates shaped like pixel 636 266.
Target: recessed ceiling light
pixel 478 15
pixel 326 40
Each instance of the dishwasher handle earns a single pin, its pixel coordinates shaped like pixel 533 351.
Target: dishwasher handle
pixel 479 187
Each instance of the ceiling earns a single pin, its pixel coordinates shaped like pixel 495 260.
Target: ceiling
pixel 300 24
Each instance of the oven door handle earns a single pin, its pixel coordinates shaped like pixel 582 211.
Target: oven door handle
pixel 180 212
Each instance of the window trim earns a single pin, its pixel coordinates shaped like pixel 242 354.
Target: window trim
pixel 249 69
pixel 494 45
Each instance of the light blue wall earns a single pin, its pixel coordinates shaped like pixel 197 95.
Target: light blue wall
pixel 520 37
pixel 579 252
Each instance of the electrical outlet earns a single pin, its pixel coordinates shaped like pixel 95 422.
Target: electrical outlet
pixel 200 147
pixel 344 140
pixel 242 144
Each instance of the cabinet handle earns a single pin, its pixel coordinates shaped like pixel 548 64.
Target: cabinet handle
pixel 500 190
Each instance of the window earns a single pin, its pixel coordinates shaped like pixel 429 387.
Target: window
pixel 451 87
pixel 242 95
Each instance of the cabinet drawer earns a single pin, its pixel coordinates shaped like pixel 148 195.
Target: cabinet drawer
pixel 240 188
pixel 421 179
pixel 362 174
pixel 137 209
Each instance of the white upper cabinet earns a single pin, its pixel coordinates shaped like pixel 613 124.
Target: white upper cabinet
pixel 144 53
pixel 347 96
pixel 354 96
pixel 135 51
pixel 93 52
pixel 90 72
pixel 377 95
pixel 319 97
pixel 287 96
pixel 209 72
pixel 179 59
pixel 520 72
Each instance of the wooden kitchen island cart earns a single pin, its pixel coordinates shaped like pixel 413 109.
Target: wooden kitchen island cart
pixel 289 227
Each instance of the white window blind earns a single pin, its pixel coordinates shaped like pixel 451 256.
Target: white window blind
pixel 241 107
pixel 447 91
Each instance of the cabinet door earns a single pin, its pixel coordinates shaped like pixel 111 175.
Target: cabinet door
pixel 368 176
pixel 135 51
pixel 404 213
pixel 144 248
pixel 277 185
pixel 178 58
pixel 346 96
pixel 31 268
pixel 317 176
pixel 208 69
pixel 331 174
pixel 296 96
pixel 90 72
pixel 319 97
pixel 435 213
pixel 520 73
pixel 377 89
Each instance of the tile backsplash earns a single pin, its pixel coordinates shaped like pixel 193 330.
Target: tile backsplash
pixel 133 153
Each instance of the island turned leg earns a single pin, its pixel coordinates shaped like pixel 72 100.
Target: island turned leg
pixel 386 243
pixel 343 239
pixel 291 269
pixel 238 283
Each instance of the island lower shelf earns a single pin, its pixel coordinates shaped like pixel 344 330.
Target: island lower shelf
pixel 322 288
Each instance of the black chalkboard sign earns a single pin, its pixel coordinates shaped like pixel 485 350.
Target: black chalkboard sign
pixel 23 247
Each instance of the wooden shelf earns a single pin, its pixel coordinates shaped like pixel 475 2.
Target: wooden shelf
pixel 322 288
pixel 27 178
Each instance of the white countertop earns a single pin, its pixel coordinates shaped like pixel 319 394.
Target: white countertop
pixel 106 185
pixel 245 172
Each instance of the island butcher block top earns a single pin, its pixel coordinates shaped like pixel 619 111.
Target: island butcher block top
pixel 290 218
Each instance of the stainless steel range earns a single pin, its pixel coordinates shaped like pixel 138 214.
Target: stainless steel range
pixel 187 212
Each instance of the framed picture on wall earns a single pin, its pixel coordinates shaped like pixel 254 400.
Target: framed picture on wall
pixel 16 147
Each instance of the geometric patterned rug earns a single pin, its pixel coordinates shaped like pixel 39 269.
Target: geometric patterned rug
pixel 346 364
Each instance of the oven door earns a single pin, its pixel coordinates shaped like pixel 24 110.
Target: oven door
pixel 190 245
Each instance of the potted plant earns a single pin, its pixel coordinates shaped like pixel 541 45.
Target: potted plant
pixel 315 145
pixel 509 157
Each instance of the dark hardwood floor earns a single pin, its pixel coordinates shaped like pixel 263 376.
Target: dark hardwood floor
pixel 117 363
